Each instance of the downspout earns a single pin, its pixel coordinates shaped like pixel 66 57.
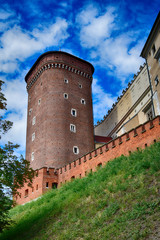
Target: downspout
pixel 150 88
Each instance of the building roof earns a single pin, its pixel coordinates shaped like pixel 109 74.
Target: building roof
pixel 101 139
pixel 151 36
pixel 52 52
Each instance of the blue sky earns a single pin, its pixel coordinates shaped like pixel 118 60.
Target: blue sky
pixel 109 34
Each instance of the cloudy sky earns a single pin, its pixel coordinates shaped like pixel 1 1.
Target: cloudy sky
pixel 109 34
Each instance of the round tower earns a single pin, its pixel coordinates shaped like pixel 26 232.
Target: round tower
pixel 60 116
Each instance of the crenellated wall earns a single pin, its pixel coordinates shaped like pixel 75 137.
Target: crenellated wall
pixel 139 137
pixel 43 176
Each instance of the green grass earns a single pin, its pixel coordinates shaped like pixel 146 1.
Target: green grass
pixel 119 201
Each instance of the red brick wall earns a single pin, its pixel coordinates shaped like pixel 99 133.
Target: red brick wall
pixel 136 138
pixel 42 177
pixel 140 137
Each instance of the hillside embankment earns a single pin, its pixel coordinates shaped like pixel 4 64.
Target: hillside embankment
pixel 119 201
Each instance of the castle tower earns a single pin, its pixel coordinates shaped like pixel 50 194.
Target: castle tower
pixel 60 117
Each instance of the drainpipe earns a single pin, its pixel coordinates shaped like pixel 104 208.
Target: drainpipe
pixel 150 88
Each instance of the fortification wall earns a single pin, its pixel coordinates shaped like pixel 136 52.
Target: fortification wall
pixel 43 176
pixel 140 137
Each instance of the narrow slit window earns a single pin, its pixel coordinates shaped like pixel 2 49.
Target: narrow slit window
pixel 34 120
pixel 33 136
pixel 39 101
pixel 30 111
pixel 72 128
pixel 32 156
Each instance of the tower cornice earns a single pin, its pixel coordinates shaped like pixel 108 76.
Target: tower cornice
pixel 56 65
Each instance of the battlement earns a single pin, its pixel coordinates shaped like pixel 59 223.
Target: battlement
pixel 137 138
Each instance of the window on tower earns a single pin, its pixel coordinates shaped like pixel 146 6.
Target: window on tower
pixel 32 156
pixel 80 85
pixel 34 120
pixel 30 111
pixel 74 112
pixel 72 128
pixel 33 136
pixel 39 101
pixel 66 80
pixel 65 95
pixel 83 101
pixel 75 150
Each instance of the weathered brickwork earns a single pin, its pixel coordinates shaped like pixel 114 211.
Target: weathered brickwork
pixel 140 137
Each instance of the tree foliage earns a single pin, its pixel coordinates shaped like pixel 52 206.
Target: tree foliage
pixel 14 171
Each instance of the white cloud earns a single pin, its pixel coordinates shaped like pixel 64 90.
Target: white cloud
pixel 118 53
pixel 87 15
pixel 4 14
pixel 18 44
pixel 119 57
pixel 95 27
pixel 102 101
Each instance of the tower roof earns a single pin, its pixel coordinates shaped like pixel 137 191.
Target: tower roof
pixel 53 52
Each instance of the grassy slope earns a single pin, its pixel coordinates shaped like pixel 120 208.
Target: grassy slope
pixel 119 201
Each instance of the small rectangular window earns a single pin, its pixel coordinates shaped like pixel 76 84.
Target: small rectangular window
pixel 65 95
pixel 72 128
pixel 75 150
pixel 66 80
pixel 34 120
pixel 39 101
pixel 83 101
pixel 47 184
pixel 80 85
pixel 37 187
pixel 33 137
pixel 30 111
pixel 32 156
pixel 74 112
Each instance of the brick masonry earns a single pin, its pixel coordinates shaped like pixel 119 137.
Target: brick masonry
pixel 140 137
pixel 53 143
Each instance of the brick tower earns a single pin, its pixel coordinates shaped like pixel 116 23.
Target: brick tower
pixel 60 117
